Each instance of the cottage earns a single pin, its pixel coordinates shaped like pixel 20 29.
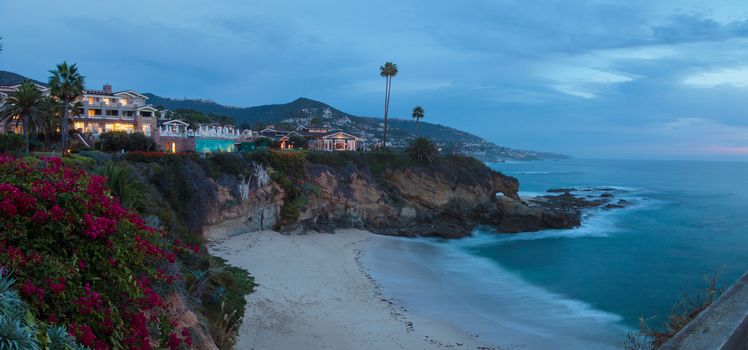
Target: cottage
pixel 337 141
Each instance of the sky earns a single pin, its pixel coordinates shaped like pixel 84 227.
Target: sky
pixel 634 79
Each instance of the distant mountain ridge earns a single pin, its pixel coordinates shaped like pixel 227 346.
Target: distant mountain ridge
pixel 300 113
pixel 10 79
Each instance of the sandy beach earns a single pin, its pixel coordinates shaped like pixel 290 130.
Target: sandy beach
pixel 313 294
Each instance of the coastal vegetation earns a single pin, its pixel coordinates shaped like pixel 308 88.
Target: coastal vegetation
pixel 685 310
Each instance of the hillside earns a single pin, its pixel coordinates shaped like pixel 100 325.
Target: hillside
pixel 10 78
pixel 301 112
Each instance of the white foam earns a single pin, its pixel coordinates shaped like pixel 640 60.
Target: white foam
pixel 441 281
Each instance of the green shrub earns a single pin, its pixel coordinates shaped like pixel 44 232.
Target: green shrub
pixel 79 162
pixel 14 143
pixel 149 157
pixel 289 162
pixel 422 150
pixel 231 163
pixel 115 141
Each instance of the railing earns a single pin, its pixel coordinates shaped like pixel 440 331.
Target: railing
pixel 722 326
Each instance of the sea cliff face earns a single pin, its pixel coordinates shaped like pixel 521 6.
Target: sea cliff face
pixel 448 200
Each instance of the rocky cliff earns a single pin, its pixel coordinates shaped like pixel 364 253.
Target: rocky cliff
pixel 448 200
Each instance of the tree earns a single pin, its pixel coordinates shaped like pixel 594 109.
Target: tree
pixel 298 142
pixel 24 104
pixel 423 150
pixel 66 84
pixel 418 113
pixel 50 123
pixel 388 71
pixel 115 141
pixel 315 121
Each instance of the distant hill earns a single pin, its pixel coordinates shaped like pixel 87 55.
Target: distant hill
pixel 301 112
pixel 10 78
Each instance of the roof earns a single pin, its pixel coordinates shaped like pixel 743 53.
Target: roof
pixel 147 107
pixel 176 121
pixel 131 93
pixel 97 92
pixel 340 134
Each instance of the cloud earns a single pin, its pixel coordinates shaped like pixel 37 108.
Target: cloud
pixel 735 76
pixel 582 81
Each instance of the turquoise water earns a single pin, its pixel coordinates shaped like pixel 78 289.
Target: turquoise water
pixel 213 145
pixel 586 287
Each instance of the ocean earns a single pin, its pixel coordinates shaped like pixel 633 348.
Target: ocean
pixel 583 288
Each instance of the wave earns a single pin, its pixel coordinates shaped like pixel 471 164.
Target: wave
pixel 539 172
pixel 441 280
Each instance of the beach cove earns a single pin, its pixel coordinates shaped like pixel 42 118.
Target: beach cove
pixel 314 294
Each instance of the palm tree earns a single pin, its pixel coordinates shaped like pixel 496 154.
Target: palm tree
pixel 25 104
pixel 66 84
pixel 388 70
pixel 418 113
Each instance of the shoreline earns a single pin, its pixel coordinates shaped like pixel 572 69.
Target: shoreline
pixel 314 293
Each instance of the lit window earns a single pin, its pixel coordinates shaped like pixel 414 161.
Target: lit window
pixel 90 100
pixel 91 113
pixel 123 101
pixel 106 100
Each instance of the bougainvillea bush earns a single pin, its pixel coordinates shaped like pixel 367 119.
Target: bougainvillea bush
pixel 80 260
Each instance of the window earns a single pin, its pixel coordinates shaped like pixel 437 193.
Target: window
pixel 173 147
pixel 106 100
pixel 79 126
pixel 112 112
pixel 90 100
pixel 123 101
pixel 92 113
pixel 127 113
pixel 145 114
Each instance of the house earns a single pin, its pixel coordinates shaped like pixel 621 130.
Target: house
pixel 104 110
pixel 174 137
pixel 283 137
pixel 15 125
pixel 336 141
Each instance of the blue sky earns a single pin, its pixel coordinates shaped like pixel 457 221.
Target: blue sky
pixel 604 79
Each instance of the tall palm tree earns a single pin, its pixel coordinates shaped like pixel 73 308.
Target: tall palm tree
pixel 24 104
pixel 417 114
pixel 388 71
pixel 66 84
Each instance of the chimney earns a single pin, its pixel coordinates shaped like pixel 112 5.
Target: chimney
pixel 107 89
